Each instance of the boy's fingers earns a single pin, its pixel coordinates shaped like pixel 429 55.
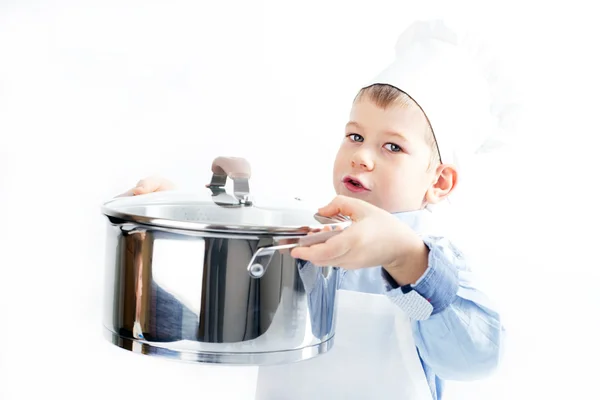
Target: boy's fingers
pixel 147 185
pixel 326 228
pixel 353 208
pixel 150 185
pixel 165 185
pixel 138 190
pixel 321 251
pixel 333 248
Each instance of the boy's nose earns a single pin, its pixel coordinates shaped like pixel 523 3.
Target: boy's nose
pixel 362 160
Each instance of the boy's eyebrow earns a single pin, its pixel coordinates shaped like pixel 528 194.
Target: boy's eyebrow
pixel 352 123
pixel 397 134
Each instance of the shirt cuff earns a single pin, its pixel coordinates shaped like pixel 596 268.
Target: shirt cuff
pixel 439 284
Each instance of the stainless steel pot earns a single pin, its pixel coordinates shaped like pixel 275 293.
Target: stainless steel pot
pixel 209 278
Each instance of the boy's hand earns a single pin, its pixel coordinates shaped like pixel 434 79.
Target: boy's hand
pixel 375 238
pixel 149 185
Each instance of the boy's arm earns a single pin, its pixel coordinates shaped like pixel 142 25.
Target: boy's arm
pixel 462 338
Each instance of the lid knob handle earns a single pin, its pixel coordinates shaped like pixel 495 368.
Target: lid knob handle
pixel 237 169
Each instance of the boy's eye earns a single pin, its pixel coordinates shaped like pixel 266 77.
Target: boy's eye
pixel 355 137
pixel 393 147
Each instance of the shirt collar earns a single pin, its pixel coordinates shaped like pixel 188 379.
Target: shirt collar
pixel 421 221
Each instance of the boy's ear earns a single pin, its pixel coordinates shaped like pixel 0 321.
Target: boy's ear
pixel 445 180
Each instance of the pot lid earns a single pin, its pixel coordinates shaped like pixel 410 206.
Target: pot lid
pixel 218 211
pixel 197 212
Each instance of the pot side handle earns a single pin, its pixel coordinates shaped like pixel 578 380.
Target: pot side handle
pixel 261 259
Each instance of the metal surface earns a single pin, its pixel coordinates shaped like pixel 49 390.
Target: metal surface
pixel 192 213
pixel 191 280
pixel 239 171
pixel 270 358
pixel 190 297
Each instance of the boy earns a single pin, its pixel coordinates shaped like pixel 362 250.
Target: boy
pixel 398 159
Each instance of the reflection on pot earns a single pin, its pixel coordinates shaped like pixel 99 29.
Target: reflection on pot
pixel 191 297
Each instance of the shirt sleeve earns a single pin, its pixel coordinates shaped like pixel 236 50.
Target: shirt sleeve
pixel 320 291
pixel 462 338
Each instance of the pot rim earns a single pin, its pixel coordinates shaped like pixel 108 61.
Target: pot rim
pixel 336 222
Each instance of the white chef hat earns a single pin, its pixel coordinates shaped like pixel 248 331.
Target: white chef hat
pixel 448 74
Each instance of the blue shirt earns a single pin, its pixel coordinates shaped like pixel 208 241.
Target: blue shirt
pixel 462 339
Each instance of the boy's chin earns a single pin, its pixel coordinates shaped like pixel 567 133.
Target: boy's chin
pixel 357 195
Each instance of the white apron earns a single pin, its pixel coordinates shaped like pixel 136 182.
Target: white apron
pixel 373 357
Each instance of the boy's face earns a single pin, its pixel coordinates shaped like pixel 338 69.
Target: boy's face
pixel 387 152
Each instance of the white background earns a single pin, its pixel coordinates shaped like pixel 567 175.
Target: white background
pixel 95 95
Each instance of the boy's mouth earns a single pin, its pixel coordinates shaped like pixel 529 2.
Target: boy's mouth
pixel 354 185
